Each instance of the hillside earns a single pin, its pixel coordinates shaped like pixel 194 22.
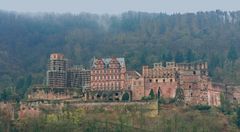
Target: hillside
pixel 26 40
pixel 124 118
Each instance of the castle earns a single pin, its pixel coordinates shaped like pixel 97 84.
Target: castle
pixel 108 80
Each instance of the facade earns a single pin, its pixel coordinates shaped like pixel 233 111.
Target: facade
pixel 108 80
pixel 57 71
pixel 195 82
pixel 160 77
pixel 191 77
pixel 108 74
pixel 63 82
pixel 78 77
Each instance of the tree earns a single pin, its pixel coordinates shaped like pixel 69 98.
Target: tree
pixel 179 57
pixel 151 94
pixel 179 97
pixel 169 57
pixel 238 117
pixel 190 56
pixel 225 104
pixel 232 54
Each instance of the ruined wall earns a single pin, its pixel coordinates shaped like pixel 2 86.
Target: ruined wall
pixel 7 109
pixel 233 93
pixel 27 111
pixel 107 95
pixel 42 95
pixel 138 88
pixel 163 78
pixel 167 89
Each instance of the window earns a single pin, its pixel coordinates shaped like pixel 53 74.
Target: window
pixel 150 80
pixel 156 80
pixel 170 80
pixel 163 80
pixel 194 72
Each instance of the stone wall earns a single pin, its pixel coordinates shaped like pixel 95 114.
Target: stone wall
pixel 27 111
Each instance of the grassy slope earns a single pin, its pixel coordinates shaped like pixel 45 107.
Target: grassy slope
pixel 134 118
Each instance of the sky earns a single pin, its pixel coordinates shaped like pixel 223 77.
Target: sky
pixel 118 6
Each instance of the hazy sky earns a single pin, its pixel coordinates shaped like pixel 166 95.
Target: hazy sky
pixel 118 6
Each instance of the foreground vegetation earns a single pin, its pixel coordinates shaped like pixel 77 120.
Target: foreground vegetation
pixel 129 118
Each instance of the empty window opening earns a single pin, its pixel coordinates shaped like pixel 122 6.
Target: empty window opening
pixel 194 72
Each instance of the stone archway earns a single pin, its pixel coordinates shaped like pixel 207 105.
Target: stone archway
pixel 126 97
pixel 105 96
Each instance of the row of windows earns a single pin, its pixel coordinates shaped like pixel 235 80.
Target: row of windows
pixel 156 80
pixel 106 71
pixel 106 88
pixel 135 83
pixel 160 74
pixel 106 77
pixel 117 84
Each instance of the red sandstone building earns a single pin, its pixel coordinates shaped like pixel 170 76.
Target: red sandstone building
pixel 108 80
pixel 191 77
pixel 108 74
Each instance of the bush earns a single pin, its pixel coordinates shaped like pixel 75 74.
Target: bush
pixel 238 117
pixel 146 98
pixel 201 107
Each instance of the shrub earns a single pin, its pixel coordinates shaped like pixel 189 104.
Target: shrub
pixel 202 107
pixel 238 117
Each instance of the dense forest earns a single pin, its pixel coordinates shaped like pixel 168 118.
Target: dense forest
pixel 26 40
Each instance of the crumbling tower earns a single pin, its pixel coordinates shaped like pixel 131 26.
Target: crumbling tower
pixel 78 77
pixel 57 71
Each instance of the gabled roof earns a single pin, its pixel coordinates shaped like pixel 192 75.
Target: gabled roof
pixel 106 61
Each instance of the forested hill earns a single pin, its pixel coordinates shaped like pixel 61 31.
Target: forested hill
pixel 26 40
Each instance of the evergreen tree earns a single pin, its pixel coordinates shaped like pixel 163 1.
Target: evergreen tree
pixel 238 117
pixel 179 97
pixel 225 104
pixel 151 94
pixel 190 56
pixel 232 54
pixel 164 58
pixel 179 57
pixel 169 57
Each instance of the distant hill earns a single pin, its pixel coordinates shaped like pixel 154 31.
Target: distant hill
pixel 26 40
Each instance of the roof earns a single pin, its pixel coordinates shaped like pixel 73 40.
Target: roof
pixel 107 60
pixel 133 74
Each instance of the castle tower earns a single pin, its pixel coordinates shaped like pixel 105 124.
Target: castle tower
pixel 57 71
